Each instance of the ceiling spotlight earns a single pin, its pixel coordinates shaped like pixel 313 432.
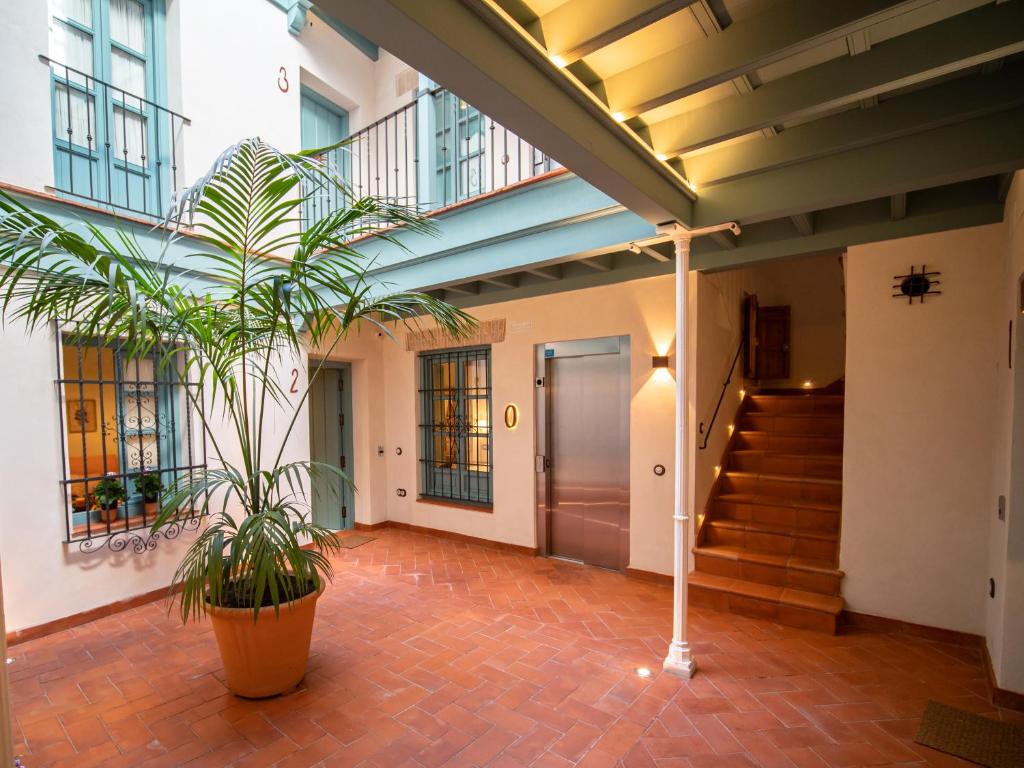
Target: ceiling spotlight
pixel 618 117
pixel 558 61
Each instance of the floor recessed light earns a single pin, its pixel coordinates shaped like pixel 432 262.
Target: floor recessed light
pixel 643 672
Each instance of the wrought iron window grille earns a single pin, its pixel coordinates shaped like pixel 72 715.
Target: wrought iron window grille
pixel 122 419
pixel 456 426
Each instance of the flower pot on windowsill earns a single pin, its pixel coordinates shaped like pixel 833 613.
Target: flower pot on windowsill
pixel 107 514
pixel 268 656
pixel 151 508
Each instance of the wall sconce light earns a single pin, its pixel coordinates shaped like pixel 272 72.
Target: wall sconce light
pixel 511 416
pixel 659 361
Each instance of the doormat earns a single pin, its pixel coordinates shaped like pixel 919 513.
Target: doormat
pixel 356 540
pixel 972 737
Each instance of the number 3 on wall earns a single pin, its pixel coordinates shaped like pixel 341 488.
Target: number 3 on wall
pixel 295 381
pixel 282 80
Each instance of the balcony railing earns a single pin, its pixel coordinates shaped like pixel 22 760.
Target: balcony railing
pixel 113 147
pixel 432 153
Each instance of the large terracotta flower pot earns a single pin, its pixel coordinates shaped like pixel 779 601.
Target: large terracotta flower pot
pixel 266 657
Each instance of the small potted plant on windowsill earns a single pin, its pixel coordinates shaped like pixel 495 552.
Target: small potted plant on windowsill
pixel 148 484
pixel 106 495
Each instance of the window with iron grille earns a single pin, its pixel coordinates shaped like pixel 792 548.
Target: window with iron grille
pixel 128 429
pixel 455 425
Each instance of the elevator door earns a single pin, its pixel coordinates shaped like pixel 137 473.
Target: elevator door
pixel 588 450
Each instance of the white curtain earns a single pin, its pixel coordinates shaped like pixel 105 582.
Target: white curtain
pixel 128 73
pixel 82 124
pixel 127 24
pixel 130 135
pixel 76 10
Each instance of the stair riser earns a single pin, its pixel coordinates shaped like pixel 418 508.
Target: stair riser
pixel 813 519
pixel 762 609
pixel 804 490
pixel 769 464
pixel 831 406
pixel 791 443
pixel 825 584
pixel 792 425
pixel 816 549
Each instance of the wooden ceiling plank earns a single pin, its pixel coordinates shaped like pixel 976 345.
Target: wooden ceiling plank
pixel 944 104
pixel 986 33
pixel 577 28
pixel 977 148
pixel 785 29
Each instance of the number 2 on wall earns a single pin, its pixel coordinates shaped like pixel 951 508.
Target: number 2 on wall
pixel 295 381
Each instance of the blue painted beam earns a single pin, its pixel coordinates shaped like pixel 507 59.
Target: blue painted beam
pixel 533 208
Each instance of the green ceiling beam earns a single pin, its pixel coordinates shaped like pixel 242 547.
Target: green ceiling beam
pixel 577 28
pixel 783 30
pixel 985 34
pixel 869 223
pixel 981 147
pixel 944 104
pixel 480 54
pixel 968 205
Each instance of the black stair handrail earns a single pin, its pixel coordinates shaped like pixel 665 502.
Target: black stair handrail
pixel 728 379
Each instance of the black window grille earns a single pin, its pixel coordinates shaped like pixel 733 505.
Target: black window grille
pixel 128 428
pixel 455 425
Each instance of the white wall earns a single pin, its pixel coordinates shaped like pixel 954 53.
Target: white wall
pixel 1004 626
pixel 25 122
pixel 229 83
pixel 920 388
pixel 813 290
pixel 45 579
pixel 642 310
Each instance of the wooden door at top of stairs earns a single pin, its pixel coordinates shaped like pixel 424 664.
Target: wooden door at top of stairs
pixel 772 343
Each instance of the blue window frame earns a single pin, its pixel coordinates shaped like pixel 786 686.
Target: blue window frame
pixel 460 166
pixel 323 124
pixel 455 425
pixel 112 141
pixel 122 418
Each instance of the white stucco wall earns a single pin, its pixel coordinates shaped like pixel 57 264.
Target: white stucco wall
pixel 641 309
pixel 1004 626
pixel 25 123
pixel 920 388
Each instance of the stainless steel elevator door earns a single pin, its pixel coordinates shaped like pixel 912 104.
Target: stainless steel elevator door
pixel 589 455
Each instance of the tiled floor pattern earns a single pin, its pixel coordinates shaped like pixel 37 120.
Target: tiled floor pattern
pixel 430 652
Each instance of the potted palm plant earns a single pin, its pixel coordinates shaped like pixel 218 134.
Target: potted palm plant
pixel 106 495
pixel 262 287
pixel 149 486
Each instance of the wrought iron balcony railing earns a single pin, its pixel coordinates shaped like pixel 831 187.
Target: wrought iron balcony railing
pixel 113 147
pixel 432 153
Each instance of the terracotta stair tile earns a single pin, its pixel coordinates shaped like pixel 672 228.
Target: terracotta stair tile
pixel 794 607
pixel 810 465
pixel 769 545
pixel 809 574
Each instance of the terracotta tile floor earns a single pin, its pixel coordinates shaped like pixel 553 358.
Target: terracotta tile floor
pixel 429 652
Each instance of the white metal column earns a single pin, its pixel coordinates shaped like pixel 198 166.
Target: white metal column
pixel 679 660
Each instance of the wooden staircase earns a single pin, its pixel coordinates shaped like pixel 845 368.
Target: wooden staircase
pixel 769 542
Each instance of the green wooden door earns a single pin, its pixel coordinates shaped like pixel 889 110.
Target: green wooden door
pixel 330 442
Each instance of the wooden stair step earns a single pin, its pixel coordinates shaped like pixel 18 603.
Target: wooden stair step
pixel 819 445
pixel 779 530
pixel 797 403
pixel 808 425
pixel 779 501
pixel 783 570
pixel 808 564
pixel 791 487
pixel 783 539
pixel 792 607
pixel 816 465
